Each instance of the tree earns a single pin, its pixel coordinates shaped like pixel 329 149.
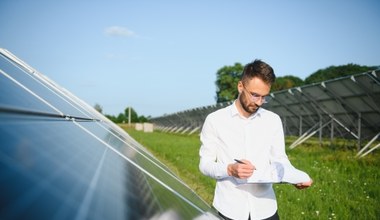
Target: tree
pixel 286 82
pixel 121 118
pixel 111 117
pixel 142 118
pixel 229 76
pixel 134 115
pixel 98 108
pixel 333 72
pixel 226 82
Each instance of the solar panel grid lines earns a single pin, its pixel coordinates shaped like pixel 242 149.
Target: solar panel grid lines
pixel 67 97
pixel 138 166
pixel 31 92
pixel 80 165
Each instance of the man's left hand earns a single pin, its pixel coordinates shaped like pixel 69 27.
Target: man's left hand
pixel 304 184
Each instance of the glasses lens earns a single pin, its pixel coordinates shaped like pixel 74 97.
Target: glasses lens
pixel 267 98
pixel 256 97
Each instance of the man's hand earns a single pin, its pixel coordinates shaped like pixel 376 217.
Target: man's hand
pixel 241 170
pixel 303 185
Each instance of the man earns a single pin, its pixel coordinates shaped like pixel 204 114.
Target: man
pixel 240 141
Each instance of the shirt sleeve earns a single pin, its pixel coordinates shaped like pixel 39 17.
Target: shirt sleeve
pixel 209 164
pixel 278 153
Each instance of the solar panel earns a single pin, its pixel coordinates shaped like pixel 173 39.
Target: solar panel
pixel 347 107
pixel 60 159
pixel 351 102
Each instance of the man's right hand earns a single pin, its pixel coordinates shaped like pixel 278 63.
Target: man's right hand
pixel 241 170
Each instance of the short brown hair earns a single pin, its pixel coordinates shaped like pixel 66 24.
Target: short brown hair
pixel 259 69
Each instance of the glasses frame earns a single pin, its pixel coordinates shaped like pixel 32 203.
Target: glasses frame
pixel 256 97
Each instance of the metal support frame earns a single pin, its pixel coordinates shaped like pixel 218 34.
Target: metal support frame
pixel 320 130
pixel 308 134
pixel 300 126
pixel 359 130
pixel 332 132
pixel 363 153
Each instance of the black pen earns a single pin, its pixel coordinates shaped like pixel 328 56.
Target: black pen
pixel 239 161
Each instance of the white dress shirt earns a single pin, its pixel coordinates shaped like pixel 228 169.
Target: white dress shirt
pixel 225 136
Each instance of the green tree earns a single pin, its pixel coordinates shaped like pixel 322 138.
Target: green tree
pixel 98 108
pixel 134 115
pixel 227 79
pixel 286 82
pixel 142 118
pixel 120 118
pixel 111 117
pixel 123 117
pixel 333 72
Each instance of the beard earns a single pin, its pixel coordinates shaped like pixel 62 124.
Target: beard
pixel 247 107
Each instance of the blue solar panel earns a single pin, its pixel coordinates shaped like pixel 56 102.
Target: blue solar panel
pixel 60 159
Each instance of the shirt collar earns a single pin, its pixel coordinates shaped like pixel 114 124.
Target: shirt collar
pixel 235 111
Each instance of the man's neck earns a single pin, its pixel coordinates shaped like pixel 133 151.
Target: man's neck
pixel 241 110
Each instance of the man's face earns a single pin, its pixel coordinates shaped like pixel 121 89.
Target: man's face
pixel 252 94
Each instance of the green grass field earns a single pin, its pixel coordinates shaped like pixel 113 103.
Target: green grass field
pixel 344 187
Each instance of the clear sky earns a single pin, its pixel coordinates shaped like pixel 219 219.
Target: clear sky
pixel 161 57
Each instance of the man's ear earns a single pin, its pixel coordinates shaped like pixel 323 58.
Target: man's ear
pixel 240 87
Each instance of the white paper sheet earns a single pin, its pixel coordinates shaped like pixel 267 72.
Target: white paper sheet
pixel 279 173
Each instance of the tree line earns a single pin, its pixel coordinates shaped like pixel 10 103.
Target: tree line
pixel 227 78
pixel 124 116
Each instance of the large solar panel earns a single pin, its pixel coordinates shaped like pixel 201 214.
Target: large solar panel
pixel 61 159
pixel 346 107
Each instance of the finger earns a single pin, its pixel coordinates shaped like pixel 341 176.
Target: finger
pixel 244 173
pixel 247 171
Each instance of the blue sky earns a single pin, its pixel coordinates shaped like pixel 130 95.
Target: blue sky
pixel 161 57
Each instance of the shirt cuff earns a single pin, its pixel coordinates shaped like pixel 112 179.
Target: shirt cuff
pixel 221 171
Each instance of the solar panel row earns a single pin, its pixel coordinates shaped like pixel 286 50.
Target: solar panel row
pixel 60 159
pixel 347 107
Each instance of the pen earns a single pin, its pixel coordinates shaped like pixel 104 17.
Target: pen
pixel 239 161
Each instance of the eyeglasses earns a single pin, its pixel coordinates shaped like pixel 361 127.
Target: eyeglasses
pixel 256 97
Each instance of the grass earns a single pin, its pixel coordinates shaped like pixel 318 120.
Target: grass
pixel 344 187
